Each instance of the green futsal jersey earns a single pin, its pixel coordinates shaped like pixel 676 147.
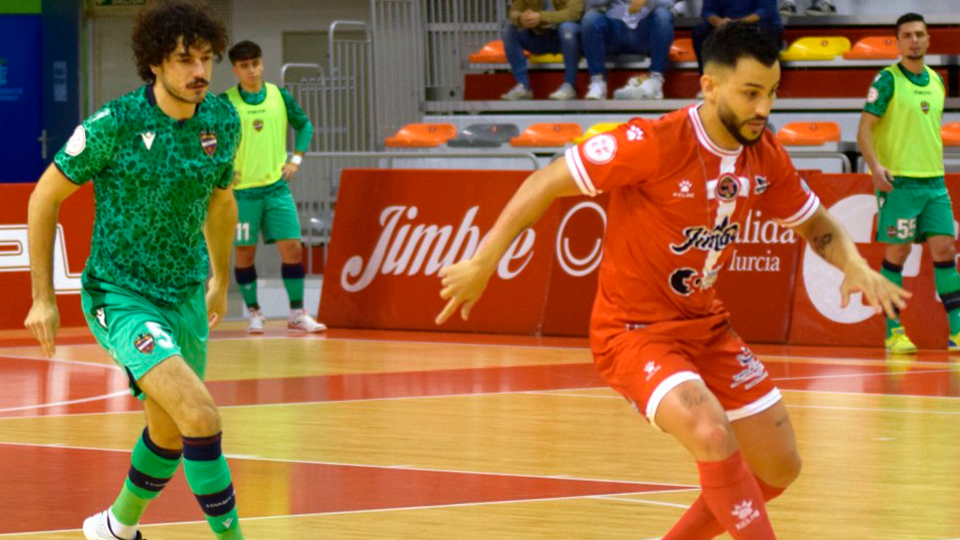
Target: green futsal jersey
pixel 152 179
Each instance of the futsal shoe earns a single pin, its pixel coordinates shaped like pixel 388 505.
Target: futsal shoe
pixel 97 527
pixel 300 321
pixel 953 344
pixel 899 343
pixel 256 321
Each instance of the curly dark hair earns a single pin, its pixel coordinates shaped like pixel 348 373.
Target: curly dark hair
pixel 163 22
pixel 735 40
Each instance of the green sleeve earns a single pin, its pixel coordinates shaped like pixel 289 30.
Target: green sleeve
pixel 90 148
pixel 880 94
pixel 299 121
pixel 231 128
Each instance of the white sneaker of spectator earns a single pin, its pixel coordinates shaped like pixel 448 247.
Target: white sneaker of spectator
pixel 680 9
pixel 300 321
pixel 256 321
pixel 597 88
pixel 788 7
pixel 821 7
pixel 564 93
pixel 517 93
pixel 642 88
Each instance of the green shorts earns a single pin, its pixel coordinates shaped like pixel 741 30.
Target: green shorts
pixel 139 333
pixel 270 210
pixel 915 210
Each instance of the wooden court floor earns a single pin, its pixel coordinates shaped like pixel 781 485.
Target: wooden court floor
pixel 374 435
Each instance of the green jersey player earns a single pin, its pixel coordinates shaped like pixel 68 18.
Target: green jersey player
pixel 161 163
pixel 265 204
pixel 899 137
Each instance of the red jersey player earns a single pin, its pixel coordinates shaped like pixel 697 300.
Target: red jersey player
pixel 680 189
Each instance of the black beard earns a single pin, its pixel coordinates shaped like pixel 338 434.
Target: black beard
pixel 176 95
pixel 730 122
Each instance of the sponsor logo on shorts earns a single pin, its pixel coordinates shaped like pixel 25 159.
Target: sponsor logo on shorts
pixel 753 370
pixel 208 140
pixel 651 369
pixel 144 343
pixel 891 232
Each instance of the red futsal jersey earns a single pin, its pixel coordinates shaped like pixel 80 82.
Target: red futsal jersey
pixel 677 203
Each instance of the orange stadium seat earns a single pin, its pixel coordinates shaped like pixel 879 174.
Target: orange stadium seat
pixel 816 48
pixel 682 51
pixel 491 53
pixel 548 134
pixel 597 129
pixel 808 133
pixel 422 135
pixel 874 48
pixel 951 134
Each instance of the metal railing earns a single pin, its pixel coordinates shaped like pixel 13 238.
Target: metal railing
pixel 310 92
pixel 398 63
pixel 454 30
pixel 352 114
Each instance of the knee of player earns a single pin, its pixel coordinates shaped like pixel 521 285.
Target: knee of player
pixel 713 439
pixel 943 252
pixel 202 420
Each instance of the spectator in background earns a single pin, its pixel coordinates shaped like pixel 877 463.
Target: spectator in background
pixel 716 13
pixel 628 27
pixel 535 28
pixel 817 7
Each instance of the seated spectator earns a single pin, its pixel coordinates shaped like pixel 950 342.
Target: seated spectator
pixel 628 27
pixel 542 31
pixel 817 7
pixel 717 13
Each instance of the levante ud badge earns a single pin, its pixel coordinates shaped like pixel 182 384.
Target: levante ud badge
pixel 208 140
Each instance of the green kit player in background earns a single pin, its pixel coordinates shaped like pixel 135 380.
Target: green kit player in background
pixel 899 137
pixel 161 162
pixel 263 198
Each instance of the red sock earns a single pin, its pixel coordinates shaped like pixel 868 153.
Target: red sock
pixel 735 499
pixel 698 523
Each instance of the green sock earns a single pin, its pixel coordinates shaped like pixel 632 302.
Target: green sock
pixel 948 287
pixel 151 468
pixel 893 273
pixel 247 280
pixel 293 283
pixel 209 478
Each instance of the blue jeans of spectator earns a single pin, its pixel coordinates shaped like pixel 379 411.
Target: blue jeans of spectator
pixel 603 36
pixel 565 39
pixel 703 30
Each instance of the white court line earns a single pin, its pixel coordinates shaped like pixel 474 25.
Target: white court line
pixel 639 501
pixel 849 375
pixel 61 361
pixel 63 403
pixel 673 487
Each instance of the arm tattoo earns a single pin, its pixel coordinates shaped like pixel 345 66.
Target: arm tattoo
pixel 821 242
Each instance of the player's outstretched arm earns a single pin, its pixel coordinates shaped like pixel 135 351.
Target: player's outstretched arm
pixel 43 321
pixel 464 282
pixel 830 240
pixel 219 230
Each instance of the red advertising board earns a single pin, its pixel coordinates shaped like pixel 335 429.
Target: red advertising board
pixel 817 317
pixel 70 250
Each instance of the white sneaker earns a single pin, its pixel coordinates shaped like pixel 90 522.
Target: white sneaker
pixel 641 88
pixel 564 93
pixel 256 321
pixel 788 8
pixel 97 527
pixel 300 321
pixel 517 93
pixel 821 7
pixel 680 9
pixel 597 88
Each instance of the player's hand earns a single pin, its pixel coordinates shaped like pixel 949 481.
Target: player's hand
pixel 882 180
pixel 636 5
pixel 216 303
pixel 463 284
pixel 289 170
pixel 530 19
pixel 43 321
pixel 879 292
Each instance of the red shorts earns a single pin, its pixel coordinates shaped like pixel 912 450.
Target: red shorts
pixel 644 364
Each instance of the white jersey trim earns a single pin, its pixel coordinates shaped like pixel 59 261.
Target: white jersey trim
pixel 806 212
pixel 705 139
pixel 579 172
pixel 756 407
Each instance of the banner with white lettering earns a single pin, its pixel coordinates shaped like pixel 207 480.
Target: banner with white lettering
pixel 71 247
pixel 818 318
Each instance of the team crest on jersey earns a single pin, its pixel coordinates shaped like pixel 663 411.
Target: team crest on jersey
pixel 925 106
pixel 257 124
pixel 727 187
pixel 760 184
pixel 144 343
pixel 208 140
